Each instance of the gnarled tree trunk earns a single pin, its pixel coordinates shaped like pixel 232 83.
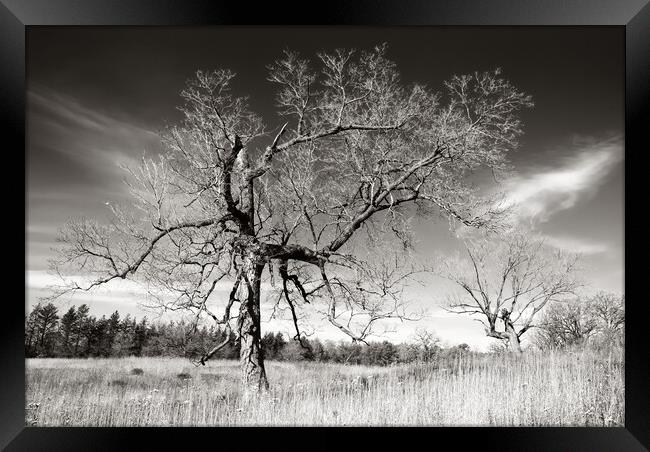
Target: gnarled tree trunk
pixel 251 358
pixel 514 345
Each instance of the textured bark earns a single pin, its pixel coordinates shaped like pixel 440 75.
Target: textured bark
pixel 251 358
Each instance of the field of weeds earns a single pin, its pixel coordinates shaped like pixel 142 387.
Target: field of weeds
pixel 550 389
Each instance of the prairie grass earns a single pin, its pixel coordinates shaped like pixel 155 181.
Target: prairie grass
pixel 549 389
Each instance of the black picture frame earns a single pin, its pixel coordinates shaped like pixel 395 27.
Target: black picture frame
pixel 633 15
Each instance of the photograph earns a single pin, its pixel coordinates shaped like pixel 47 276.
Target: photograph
pixel 325 226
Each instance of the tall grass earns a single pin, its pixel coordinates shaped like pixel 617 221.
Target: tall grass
pixel 579 389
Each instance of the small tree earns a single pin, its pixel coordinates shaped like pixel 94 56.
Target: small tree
pixel 80 328
pixel 274 344
pixel 31 336
pixel 139 337
pixel 507 281
pixel 125 336
pixel 112 329
pixel 566 324
pixel 355 153
pixel 408 352
pixel 428 344
pixel 456 352
pixel 46 324
pixel 608 313
pixel 68 322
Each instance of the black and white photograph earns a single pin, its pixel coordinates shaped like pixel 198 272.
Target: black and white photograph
pixel 325 226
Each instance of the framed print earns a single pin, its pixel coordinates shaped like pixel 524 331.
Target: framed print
pixel 379 218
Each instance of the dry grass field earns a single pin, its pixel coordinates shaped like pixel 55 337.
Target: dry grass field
pixel 551 389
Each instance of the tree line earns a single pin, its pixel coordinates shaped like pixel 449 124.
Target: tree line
pixel 78 334
pixel 595 322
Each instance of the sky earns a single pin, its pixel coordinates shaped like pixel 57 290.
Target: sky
pixel 97 96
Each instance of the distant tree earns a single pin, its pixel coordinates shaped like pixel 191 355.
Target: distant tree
pixel 67 328
pixel 595 321
pixel 507 280
pixel 279 344
pixel 295 351
pixel 90 333
pixel 46 329
pixel 273 345
pixel 157 341
pixel 31 331
pixel 356 153
pixel 566 324
pixel 196 340
pixel 319 351
pixel 349 353
pixel 427 343
pixel 80 328
pixel 380 354
pixel 408 352
pixel 112 329
pixel 608 311
pixel 456 351
pixel 171 339
pixel 100 336
pixel 139 337
pixel 125 337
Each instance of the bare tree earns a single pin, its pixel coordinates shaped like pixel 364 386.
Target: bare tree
pixel 566 324
pixel 428 343
pixel 608 313
pixel 507 281
pixel 356 154
pixel 596 320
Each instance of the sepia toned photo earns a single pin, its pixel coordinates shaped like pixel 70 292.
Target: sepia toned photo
pixel 325 226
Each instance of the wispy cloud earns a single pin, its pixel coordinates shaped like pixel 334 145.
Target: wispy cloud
pixel 129 291
pixel 95 139
pixel 541 192
pixel 129 296
pixel 43 280
pixel 576 244
pixel 73 154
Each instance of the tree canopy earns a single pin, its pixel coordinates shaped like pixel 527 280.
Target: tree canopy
pixel 353 153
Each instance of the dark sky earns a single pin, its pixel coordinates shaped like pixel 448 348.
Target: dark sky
pixel 98 95
pixel 574 73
